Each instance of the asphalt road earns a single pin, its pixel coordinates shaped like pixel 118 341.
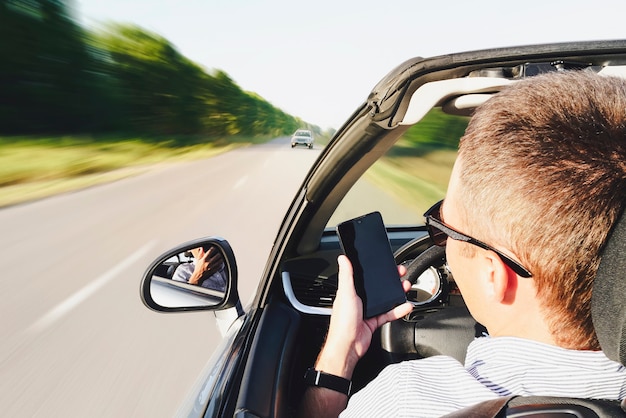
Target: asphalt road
pixel 75 339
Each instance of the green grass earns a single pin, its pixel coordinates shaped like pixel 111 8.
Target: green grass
pixel 416 170
pixel 416 181
pixel 36 167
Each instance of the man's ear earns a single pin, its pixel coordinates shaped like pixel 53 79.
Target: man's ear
pixel 501 279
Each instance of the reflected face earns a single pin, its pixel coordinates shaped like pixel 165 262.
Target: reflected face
pixel 197 252
pixel 177 282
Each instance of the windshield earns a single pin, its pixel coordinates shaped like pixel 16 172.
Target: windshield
pixel 411 177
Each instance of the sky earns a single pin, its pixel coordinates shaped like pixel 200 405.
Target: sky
pixel 318 60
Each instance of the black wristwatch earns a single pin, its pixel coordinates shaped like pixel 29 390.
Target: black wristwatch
pixel 314 377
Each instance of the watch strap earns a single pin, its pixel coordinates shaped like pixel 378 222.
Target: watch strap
pixel 314 377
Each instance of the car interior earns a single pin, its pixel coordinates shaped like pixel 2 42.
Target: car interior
pixel 298 302
pixel 377 146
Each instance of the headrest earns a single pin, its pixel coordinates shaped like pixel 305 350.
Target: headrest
pixel 608 302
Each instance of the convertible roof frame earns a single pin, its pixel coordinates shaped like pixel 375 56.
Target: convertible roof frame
pixel 388 112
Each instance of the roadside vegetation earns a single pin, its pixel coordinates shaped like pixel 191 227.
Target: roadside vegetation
pixel 61 78
pixel 416 170
pixel 37 167
pixel 79 106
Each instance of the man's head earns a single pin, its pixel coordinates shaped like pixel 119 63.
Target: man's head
pixel 542 176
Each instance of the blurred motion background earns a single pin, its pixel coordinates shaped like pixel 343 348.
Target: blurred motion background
pixel 116 96
pixel 59 77
pixel 120 118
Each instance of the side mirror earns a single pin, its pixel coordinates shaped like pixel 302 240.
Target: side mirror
pixel 194 276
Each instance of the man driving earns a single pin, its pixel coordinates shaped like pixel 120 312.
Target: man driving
pixel 539 182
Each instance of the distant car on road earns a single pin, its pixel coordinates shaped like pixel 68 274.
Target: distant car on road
pixel 302 137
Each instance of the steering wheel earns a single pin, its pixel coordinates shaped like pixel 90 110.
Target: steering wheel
pixel 431 257
pixel 425 264
pixel 440 322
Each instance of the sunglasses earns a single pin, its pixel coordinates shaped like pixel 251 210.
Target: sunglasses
pixel 439 233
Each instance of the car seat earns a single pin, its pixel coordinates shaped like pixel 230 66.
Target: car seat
pixel 608 312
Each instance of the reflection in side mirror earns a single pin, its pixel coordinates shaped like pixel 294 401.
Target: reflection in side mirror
pixel 197 275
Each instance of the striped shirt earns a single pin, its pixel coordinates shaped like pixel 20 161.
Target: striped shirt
pixel 494 367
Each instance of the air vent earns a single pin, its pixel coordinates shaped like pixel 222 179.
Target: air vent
pixel 319 292
pixel 313 295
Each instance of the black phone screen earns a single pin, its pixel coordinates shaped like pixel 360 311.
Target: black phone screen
pixel 365 242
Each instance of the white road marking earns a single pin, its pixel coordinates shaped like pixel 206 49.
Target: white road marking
pixel 241 182
pixel 77 298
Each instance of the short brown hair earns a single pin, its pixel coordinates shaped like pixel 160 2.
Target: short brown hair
pixel 549 155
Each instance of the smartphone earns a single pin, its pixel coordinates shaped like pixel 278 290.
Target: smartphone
pixel 365 242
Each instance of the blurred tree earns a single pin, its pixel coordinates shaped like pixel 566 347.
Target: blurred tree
pixel 56 78
pixel 224 103
pixel 165 93
pixel 435 131
pixel 161 89
pixel 44 78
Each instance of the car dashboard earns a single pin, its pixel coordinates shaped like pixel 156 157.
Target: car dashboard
pixel 439 324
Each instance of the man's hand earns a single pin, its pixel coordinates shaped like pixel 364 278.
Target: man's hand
pixel 206 264
pixel 349 335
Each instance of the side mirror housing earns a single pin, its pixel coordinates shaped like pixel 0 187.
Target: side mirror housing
pixel 198 275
